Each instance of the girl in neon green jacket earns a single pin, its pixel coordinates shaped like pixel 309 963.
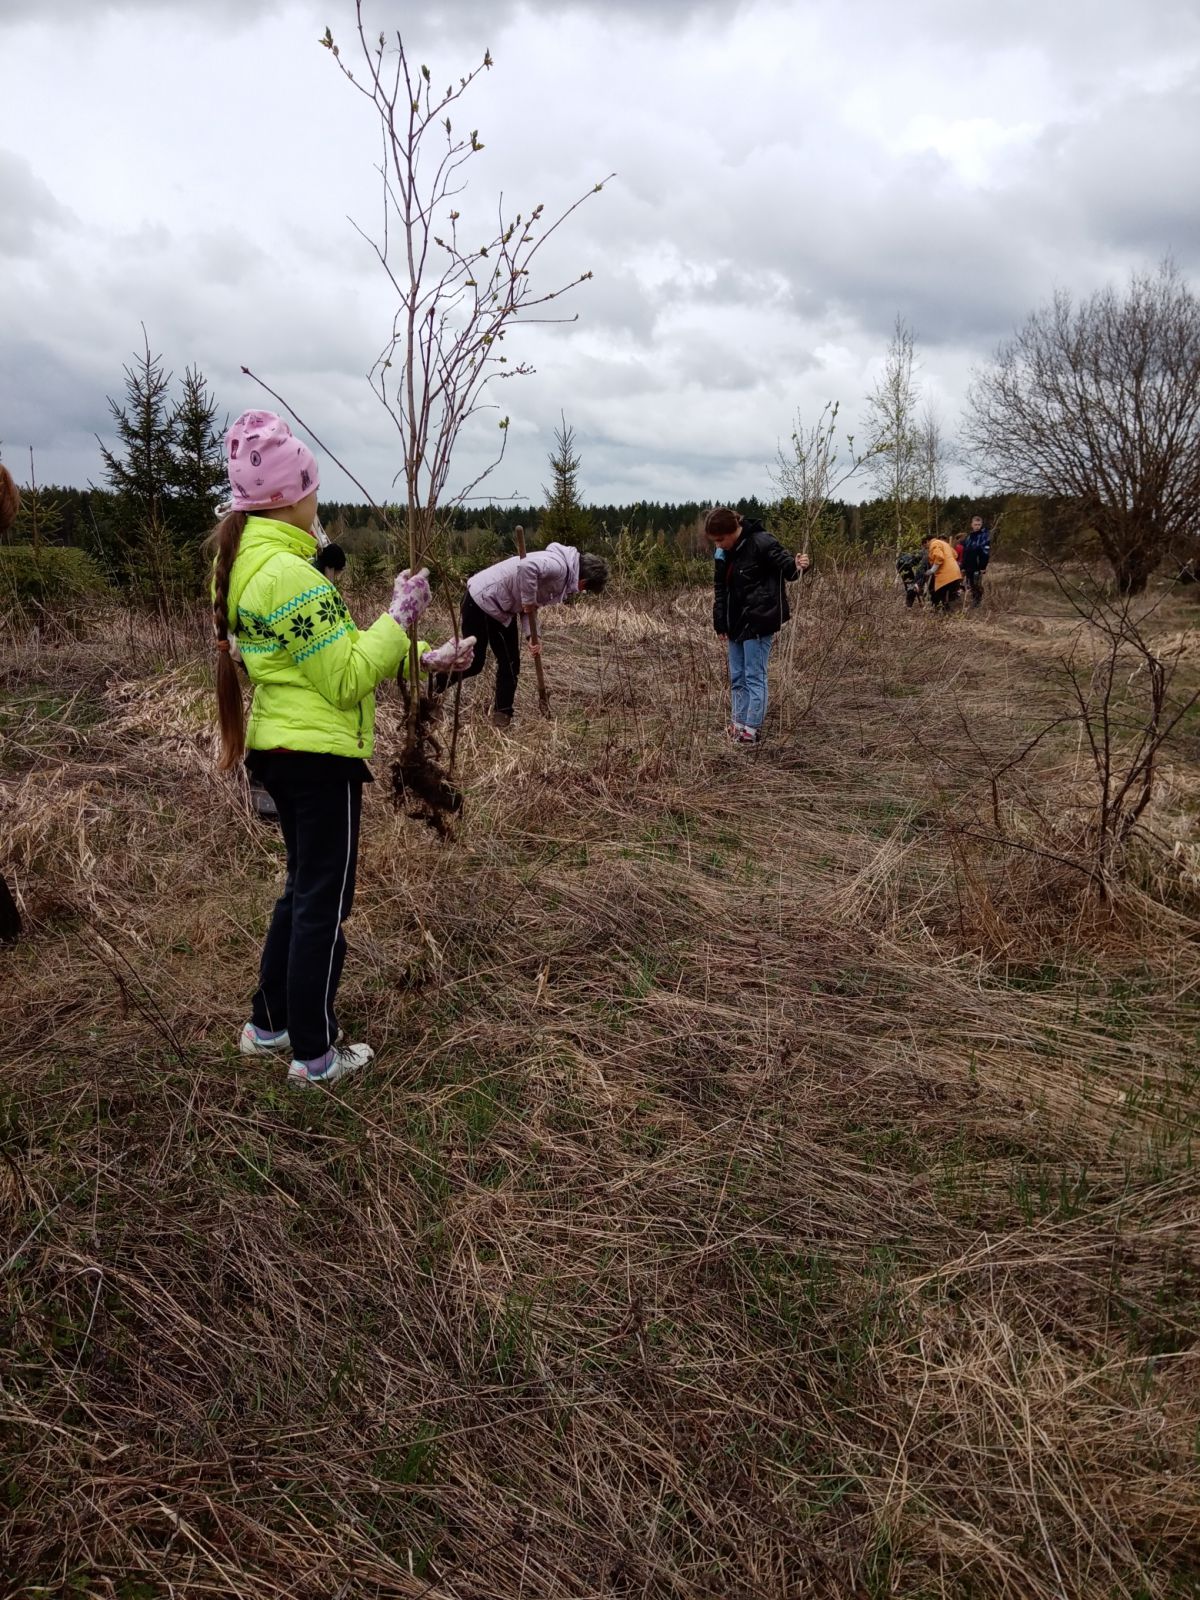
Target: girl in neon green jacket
pixel 311 727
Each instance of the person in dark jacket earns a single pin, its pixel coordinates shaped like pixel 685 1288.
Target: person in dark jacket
pixel 977 552
pixel 750 605
pixel 913 568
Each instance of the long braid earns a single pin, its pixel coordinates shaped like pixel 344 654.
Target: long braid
pixel 222 545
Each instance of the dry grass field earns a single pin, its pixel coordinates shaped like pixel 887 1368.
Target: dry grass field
pixel 776 1179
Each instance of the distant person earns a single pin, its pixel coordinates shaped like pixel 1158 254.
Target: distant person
pixel 914 573
pixel 945 575
pixel 311 727
pixel 977 552
pixel 751 570
pixel 507 592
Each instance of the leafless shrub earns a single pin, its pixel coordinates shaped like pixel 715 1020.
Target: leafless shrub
pixel 1100 403
pixel 1124 714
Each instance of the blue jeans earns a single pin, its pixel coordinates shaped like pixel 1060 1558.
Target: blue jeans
pixel 748 676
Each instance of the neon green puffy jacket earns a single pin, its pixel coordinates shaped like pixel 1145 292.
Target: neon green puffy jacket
pixel 314 673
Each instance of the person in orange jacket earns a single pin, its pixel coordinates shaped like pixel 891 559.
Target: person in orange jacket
pixel 944 571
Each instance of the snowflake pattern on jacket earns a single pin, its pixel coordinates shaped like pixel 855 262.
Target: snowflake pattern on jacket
pixel 314 673
pixel 312 620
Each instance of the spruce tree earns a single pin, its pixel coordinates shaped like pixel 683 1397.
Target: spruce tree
pixel 199 465
pixel 564 518
pixel 141 470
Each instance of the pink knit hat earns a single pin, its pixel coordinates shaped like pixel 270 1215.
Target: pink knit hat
pixel 268 465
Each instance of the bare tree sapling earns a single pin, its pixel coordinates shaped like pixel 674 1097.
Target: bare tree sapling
pixel 456 299
pixel 809 473
pixel 893 433
pixel 931 466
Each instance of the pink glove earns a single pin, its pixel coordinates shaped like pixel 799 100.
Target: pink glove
pixel 410 598
pixel 455 655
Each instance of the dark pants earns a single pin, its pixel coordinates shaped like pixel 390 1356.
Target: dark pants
pixel 319 799
pixel 975 585
pixel 948 595
pixel 505 645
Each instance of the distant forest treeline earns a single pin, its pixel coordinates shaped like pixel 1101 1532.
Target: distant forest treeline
pixel 143 532
pixel 649 541
pixel 95 519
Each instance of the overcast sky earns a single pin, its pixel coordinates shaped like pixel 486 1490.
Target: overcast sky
pixel 791 177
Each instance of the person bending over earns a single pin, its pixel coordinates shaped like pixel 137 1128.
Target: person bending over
pixel 751 570
pixel 945 575
pixel 506 593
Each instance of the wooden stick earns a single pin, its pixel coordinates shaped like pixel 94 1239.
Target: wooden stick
pixel 543 697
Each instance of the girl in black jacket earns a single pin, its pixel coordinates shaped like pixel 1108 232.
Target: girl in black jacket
pixel 750 606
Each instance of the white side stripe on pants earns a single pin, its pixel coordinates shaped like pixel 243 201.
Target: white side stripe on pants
pixel 329 1029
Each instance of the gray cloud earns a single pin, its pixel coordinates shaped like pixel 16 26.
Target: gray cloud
pixel 492 17
pixel 61 406
pixel 789 179
pixel 27 207
pixel 70 11
pixel 1132 173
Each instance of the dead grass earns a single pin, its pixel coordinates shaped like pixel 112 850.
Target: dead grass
pixel 764 1189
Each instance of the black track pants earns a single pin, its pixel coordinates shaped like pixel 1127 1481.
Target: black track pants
pixel 319 799
pixel 505 646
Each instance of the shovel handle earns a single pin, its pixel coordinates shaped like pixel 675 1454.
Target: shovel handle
pixel 543 697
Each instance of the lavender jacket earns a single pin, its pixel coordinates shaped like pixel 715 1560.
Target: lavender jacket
pixel 543 578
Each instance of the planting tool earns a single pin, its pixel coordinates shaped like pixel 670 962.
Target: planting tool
pixel 543 697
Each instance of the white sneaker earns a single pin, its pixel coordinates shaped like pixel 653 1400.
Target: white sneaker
pixel 253 1042
pixel 334 1064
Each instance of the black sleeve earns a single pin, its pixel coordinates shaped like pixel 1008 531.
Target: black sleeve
pixel 330 558
pixel 720 597
pixel 772 552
